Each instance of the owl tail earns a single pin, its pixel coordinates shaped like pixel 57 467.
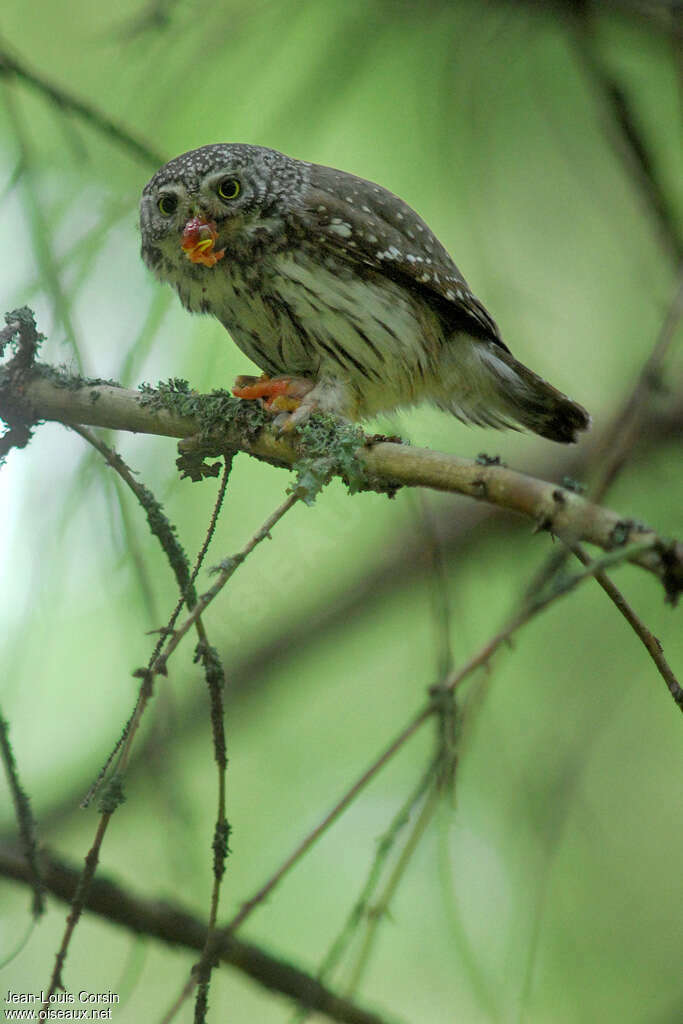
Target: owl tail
pixel 492 388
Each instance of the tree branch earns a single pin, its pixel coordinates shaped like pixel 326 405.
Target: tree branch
pixel 42 393
pixel 400 563
pixel 171 923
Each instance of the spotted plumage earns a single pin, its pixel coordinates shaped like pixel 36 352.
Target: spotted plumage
pixel 320 275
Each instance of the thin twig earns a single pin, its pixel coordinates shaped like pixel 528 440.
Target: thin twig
pixel 176 555
pixel 434 706
pixel 76 907
pixel 438 584
pixel 398 564
pixel 228 567
pixel 159 525
pixel 114 795
pixel 536 603
pixel 385 845
pixel 208 655
pixel 649 640
pixel 483 656
pixel 380 910
pixel 216 681
pixel 39 234
pixel 306 844
pixel 25 820
pixel 171 923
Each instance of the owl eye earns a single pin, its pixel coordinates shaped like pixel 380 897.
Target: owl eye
pixel 228 188
pixel 167 204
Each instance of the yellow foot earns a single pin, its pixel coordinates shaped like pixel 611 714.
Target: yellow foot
pixel 277 394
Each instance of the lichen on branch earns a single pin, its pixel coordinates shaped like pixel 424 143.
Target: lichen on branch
pixel 213 424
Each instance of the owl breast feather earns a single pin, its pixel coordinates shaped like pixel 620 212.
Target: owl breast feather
pixel 315 320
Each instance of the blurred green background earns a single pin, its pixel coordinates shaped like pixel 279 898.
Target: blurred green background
pixel 549 891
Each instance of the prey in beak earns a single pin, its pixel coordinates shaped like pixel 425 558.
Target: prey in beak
pixel 199 239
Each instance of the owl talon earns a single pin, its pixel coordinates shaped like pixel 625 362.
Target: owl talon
pixel 277 394
pixel 287 422
pixel 281 403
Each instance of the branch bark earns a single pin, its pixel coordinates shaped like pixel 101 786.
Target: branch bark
pixel 40 393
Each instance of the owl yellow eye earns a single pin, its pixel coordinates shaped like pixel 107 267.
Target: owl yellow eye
pixel 167 204
pixel 228 188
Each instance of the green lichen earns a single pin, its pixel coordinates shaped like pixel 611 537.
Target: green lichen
pixel 328 447
pixel 213 412
pixel 112 795
pixel 24 341
pixel 164 530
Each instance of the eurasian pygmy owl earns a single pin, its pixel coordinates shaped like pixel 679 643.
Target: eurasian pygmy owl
pixel 337 290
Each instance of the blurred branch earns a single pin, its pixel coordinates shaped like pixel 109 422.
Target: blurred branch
pixel 174 925
pixel 624 130
pixel 625 429
pixel 156 16
pixel 363 906
pixel 43 394
pixel 40 237
pixel 14 68
pixel 25 820
pixel 380 911
pixel 439 696
pixel 655 14
pixel 401 562
pixel 216 944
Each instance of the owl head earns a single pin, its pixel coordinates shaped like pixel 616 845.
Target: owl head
pixel 214 200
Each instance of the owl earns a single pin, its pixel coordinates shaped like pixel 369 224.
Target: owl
pixel 338 291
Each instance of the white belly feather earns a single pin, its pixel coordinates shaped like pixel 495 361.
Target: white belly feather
pixel 327 322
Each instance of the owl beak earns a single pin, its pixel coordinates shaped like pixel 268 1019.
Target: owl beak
pixel 198 242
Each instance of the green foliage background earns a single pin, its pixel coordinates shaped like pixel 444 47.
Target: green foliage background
pixel 550 891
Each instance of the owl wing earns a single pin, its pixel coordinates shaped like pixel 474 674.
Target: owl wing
pixel 369 226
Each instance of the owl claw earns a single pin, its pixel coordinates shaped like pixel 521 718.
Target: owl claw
pixel 277 394
pixel 288 421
